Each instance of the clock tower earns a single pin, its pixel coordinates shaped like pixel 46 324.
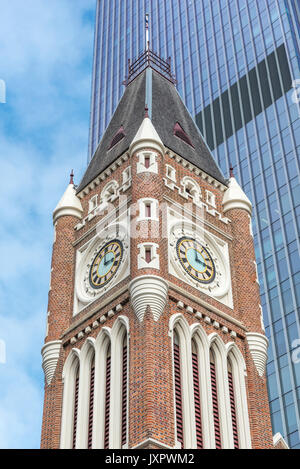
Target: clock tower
pixel 155 336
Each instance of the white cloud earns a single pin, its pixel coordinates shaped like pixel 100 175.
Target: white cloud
pixel 46 49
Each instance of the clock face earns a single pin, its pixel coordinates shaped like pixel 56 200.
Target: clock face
pixel 106 264
pixel 196 260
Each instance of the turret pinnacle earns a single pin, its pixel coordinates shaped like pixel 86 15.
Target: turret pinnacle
pixel 69 204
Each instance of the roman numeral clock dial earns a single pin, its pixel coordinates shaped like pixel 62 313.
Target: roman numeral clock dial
pixel 196 260
pixel 105 264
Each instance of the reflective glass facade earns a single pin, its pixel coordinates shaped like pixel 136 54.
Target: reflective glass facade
pixel 237 63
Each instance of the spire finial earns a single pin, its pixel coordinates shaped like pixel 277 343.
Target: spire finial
pixel 72 177
pixel 231 171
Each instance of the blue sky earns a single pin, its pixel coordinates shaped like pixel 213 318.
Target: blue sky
pixel 46 63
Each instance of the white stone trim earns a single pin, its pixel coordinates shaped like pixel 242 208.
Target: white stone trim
pixel 179 225
pixel 240 394
pixel 102 176
pixel 258 346
pixel 202 345
pixel 102 344
pixel 207 306
pixel 50 354
pixel 126 175
pixel 148 290
pixel 179 325
pixel 155 442
pixel 86 357
pixel 196 170
pixel 278 438
pixel 119 331
pixel 84 294
pixel 142 209
pixel 171 172
pixel 211 198
pixel 154 263
pixel 93 202
pixel 68 375
pixel 110 192
pixel 188 183
pixel 217 346
pixel 141 167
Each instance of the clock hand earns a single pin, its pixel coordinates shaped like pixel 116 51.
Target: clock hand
pixel 106 261
pixel 109 261
pixel 197 255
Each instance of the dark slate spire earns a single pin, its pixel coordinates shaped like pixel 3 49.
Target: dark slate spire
pixel 167 111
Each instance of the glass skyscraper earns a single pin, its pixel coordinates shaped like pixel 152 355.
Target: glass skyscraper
pixel 237 65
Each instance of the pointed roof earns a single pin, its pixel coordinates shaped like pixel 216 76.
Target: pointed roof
pixel 147 136
pixel 235 197
pixel 166 111
pixel 69 204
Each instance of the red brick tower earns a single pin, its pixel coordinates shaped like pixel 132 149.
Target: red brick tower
pixel 155 336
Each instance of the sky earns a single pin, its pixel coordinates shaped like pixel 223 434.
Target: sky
pixel 46 52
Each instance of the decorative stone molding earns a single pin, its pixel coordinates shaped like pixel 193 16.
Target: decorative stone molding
pixel 279 442
pixel 151 441
pixel 69 204
pixel 154 209
pixel 210 198
pixel 195 200
pixel 104 175
pixel 142 261
pixel 104 205
pixel 178 227
pixel 258 346
pixel 84 293
pixel 235 198
pixel 148 290
pixel 50 353
pixel 143 166
pixel 171 173
pixel 196 170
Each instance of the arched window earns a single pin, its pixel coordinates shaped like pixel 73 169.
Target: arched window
pixel 178 390
pixel 233 406
pixel 75 411
pixel 124 390
pixel 111 386
pixel 69 424
pixel 91 404
pixel 107 398
pixel 238 398
pixel 109 192
pixel 190 188
pixel 196 383
pixel 215 401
